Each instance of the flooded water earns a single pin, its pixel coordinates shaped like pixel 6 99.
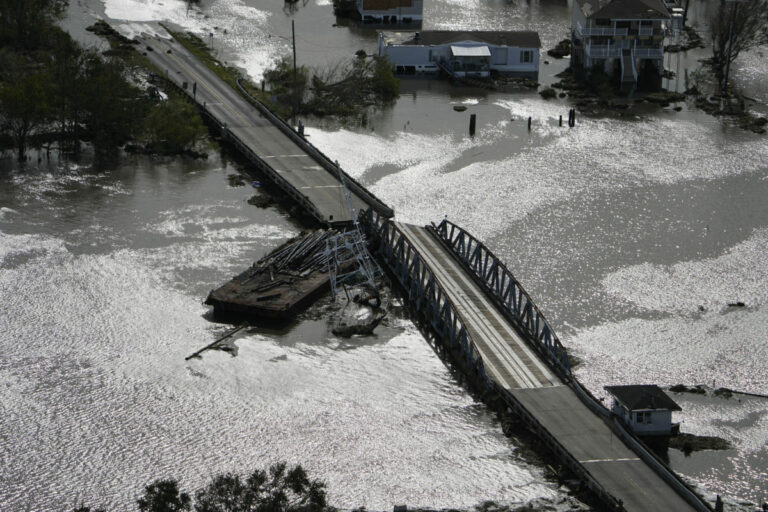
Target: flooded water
pixel 103 274
pixel 632 234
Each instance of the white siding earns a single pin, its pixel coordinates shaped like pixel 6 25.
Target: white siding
pixel 505 60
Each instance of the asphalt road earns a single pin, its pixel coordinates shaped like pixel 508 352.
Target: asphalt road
pixel 516 368
pixel 243 120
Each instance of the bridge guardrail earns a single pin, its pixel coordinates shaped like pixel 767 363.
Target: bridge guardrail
pixel 608 499
pixel 664 471
pixel 330 166
pixel 476 256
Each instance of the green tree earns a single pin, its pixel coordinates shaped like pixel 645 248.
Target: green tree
pixel 24 23
pixel 24 107
pixel 112 109
pixel 289 90
pixel 385 85
pixel 69 101
pixel 750 29
pixel 164 496
pixel 281 489
pixel 174 126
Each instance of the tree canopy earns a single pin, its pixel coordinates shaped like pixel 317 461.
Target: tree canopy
pixel 750 29
pixel 278 489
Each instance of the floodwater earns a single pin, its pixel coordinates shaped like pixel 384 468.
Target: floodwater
pixel 632 233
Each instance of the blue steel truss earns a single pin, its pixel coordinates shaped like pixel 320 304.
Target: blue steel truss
pixel 507 290
pixel 423 289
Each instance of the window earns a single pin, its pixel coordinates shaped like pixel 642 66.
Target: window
pixel 526 56
pixel 643 417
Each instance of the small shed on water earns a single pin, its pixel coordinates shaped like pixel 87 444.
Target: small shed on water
pixel 645 408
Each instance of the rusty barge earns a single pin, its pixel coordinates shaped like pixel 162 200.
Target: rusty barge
pixel 279 286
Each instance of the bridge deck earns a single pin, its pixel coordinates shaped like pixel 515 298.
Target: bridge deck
pixel 506 356
pixel 242 119
pixel 512 364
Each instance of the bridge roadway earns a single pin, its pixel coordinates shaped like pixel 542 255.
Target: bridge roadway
pixel 515 367
pixel 243 120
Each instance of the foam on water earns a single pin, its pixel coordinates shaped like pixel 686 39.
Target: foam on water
pixel 29 246
pixel 737 275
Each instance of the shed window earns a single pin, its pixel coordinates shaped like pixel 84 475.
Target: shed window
pixel 526 56
pixel 643 417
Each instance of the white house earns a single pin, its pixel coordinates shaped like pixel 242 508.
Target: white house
pixel 475 54
pixel 391 12
pixel 623 37
pixel 646 409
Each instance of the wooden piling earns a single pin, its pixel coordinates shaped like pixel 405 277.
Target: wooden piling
pixel 472 122
pixel 529 123
pixel 560 122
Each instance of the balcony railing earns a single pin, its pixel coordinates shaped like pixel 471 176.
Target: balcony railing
pixel 648 53
pixel 602 51
pixel 600 31
pixel 644 31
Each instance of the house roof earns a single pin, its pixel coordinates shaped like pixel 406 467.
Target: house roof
pixel 624 9
pixel 520 38
pixel 643 397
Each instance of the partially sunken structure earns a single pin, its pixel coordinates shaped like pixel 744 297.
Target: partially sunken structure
pixel 462 54
pixel 624 38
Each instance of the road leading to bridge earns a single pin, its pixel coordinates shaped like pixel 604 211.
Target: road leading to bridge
pixel 243 120
pixel 518 371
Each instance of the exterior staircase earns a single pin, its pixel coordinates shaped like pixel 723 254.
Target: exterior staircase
pixel 628 71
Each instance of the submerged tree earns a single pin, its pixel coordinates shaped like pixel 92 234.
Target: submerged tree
pixel 24 100
pixel 174 126
pixel 114 109
pixel 745 23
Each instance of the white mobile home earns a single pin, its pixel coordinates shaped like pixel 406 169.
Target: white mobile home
pixel 473 54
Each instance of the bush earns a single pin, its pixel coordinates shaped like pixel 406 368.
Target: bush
pixel 174 126
pixel 385 85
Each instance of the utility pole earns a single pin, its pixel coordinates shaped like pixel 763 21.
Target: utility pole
pixel 295 83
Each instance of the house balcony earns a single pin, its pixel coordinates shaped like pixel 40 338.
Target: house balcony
pixel 600 51
pixel 648 53
pixel 645 31
pixel 591 31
